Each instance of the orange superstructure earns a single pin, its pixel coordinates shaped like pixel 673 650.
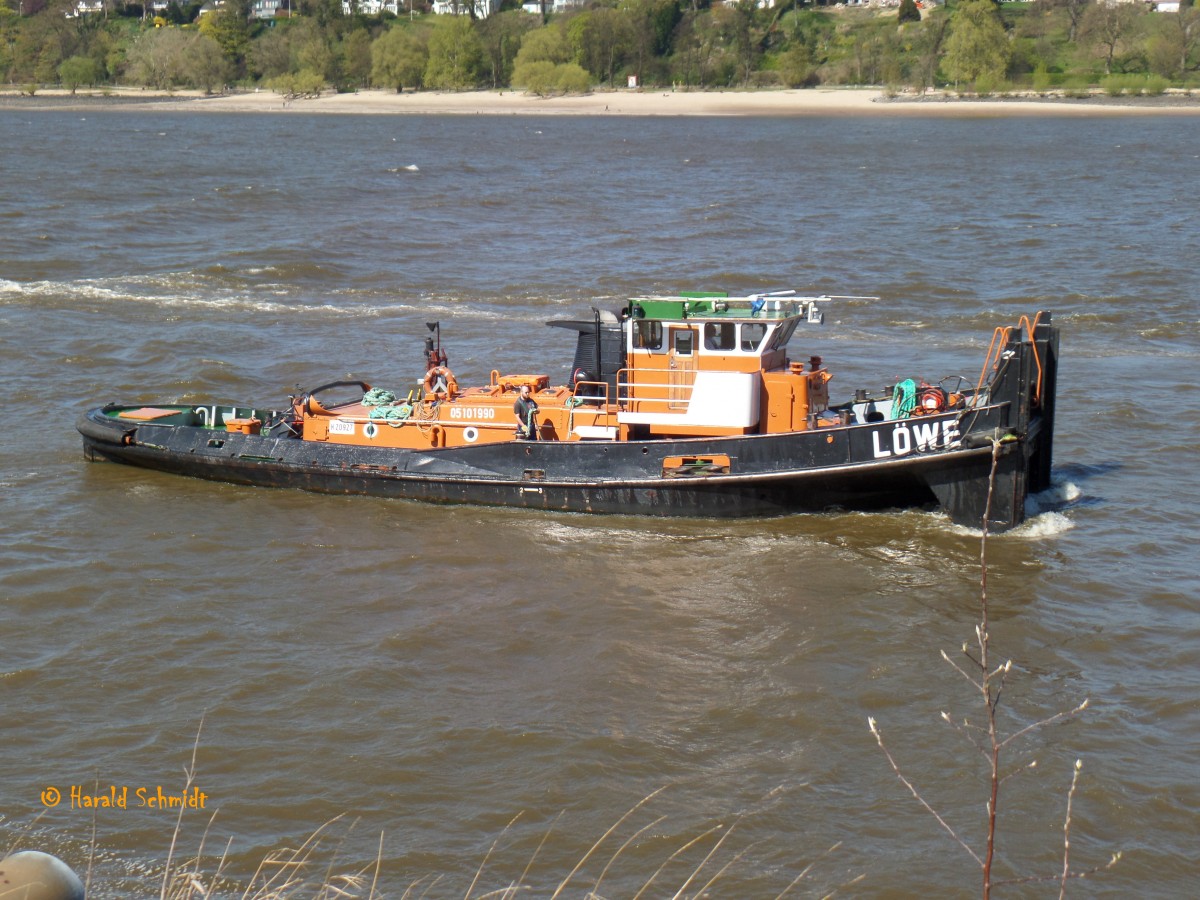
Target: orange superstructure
pixel 693 365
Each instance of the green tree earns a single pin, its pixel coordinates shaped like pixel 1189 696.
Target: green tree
pixel 108 52
pixel 1108 30
pixel 1172 46
pixel 872 56
pixel 536 77
pixel 270 54
pixel 651 24
pixel 546 43
pixel 312 49
pixel 305 83
pixel 455 55
pixel 795 66
pixel 908 12
pixel 691 61
pixel 701 57
pixel 927 46
pixel 9 28
pixel 544 78
pixel 354 57
pixel 78 70
pixel 323 12
pixel 399 57
pixel 229 26
pixel 501 36
pixel 203 64
pixel 735 24
pixel 978 46
pixel 170 57
pixel 1074 11
pixel 572 79
pixel 154 59
pixel 601 38
pixel 38 44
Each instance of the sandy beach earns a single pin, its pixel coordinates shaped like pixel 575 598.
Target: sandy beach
pixel 810 102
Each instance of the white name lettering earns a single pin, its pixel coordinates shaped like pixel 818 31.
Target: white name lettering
pixel 904 437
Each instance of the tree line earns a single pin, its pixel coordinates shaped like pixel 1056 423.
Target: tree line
pixel 968 45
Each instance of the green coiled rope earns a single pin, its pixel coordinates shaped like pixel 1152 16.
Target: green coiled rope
pixel 393 415
pixel 904 398
pixel 384 407
pixel 378 397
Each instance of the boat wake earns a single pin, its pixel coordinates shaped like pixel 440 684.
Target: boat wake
pixel 1060 495
pixel 1042 525
pixel 185 291
pixel 1045 511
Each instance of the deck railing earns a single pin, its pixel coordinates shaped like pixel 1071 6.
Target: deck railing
pixel 656 390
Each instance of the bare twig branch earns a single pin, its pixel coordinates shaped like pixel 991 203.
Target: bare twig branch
pixel 1042 879
pixel 1066 870
pixel 908 784
pixel 1042 723
pixel 966 734
pixel 975 684
pixel 1032 765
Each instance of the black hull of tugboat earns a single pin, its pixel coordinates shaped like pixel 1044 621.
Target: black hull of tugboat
pixel 834 468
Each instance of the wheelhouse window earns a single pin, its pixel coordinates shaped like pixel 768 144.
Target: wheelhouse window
pixel 782 336
pixel 648 334
pixel 720 336
pixel 752 335
pixel 684 341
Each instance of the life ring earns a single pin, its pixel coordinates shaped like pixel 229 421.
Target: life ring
pixel 931 399
pixel 440 382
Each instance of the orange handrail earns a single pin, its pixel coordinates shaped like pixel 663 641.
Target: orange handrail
pixel 1032 329
pixel 1000 340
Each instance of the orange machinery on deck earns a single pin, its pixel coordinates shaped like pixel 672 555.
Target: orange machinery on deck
pixel 690 368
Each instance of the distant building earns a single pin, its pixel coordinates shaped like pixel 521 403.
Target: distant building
pixel 91 7
pixel 483 8
pixel 84 8
pixel 270 9
pixel 375 7
pixel 552 6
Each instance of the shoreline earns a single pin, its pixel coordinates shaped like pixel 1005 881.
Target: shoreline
pixel 776 103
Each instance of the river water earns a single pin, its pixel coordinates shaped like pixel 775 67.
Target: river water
pixel 482 694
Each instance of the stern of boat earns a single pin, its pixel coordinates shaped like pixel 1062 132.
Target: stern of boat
pixel 1019 382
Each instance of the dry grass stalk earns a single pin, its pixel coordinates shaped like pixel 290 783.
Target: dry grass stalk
pixel 283 874
pixel 597 844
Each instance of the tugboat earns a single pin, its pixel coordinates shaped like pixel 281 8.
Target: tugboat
pixel 685 405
